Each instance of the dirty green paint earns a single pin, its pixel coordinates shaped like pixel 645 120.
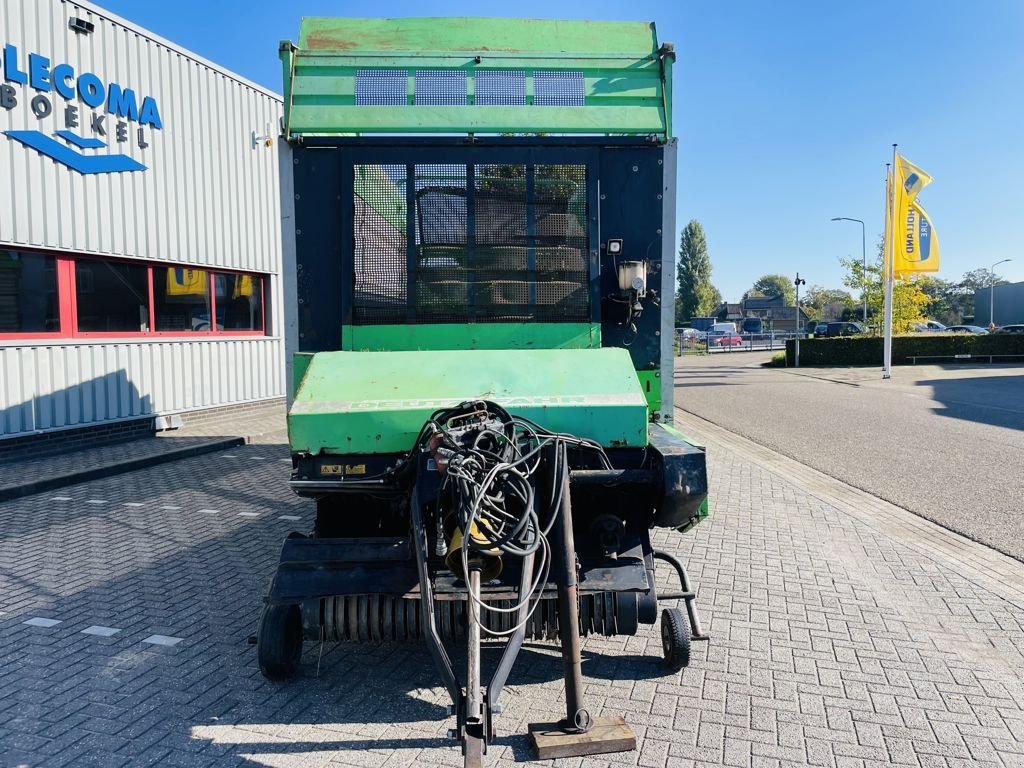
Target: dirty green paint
pixel 625 75
pixel 650 383
pixel 483 35
pixel 377 402
pixel 377 338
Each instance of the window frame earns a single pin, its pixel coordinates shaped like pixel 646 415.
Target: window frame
pixel 64 311
pixel 67 299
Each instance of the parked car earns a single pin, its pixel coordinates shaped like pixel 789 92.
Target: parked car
pixel 753 325
pixel 727 339
pixel 839 329
pixel 1015 328
pixel 692 335
pixel 965 329
pixel 928 326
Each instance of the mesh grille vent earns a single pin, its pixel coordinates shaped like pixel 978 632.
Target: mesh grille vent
pixel 501 88
pixel 558 89
pixel 441 87
pixel 380 87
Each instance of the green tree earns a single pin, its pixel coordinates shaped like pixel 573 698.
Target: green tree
pixel 975 280
pixel 776 285
pixel 826 303
pixel 716 300
pixel 909 304
pixel 695 296
pixel 945 301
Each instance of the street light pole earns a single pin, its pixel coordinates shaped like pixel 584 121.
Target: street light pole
pixel 798 282
pixel 864 262
pixel 992 293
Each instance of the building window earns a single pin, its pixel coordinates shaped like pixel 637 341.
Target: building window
pixel 111 296
pixel 182 299
pixel 239 302
pixel 29 300
pixel 66 296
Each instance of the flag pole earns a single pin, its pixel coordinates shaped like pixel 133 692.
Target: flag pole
pixel 887 261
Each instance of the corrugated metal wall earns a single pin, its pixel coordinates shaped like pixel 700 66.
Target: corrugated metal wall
pixel 207 197
pixel 53 386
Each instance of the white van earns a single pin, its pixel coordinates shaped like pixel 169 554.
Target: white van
pixel 721 329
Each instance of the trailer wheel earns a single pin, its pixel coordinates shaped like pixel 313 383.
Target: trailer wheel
pixel 675 638
pixel 279 641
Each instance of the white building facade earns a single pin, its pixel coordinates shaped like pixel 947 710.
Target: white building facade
pixel 140 225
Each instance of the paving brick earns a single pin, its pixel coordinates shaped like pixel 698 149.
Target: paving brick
pixel 834 643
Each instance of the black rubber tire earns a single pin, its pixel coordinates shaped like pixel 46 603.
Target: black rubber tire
pixel 279 641
pixel 675 638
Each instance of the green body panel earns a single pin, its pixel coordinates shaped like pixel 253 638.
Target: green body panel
pixel 650 383
pixel 377 402
pixel 625 75
pixel 376 338
pixel 327 119
pixel 476 34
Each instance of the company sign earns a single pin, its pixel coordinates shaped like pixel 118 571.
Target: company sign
pixel 88 113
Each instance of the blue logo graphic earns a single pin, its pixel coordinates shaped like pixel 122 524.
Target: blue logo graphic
pixel 925 237
pixel 72 158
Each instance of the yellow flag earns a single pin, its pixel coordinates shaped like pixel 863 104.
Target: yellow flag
pixel 186 282
pixel 917 247
pixel 913 178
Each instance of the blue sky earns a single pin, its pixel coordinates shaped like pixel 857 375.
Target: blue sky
pixel 785 111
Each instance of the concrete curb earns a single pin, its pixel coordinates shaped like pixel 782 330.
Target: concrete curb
pixel 21 490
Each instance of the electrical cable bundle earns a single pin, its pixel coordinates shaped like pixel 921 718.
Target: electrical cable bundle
pixel 490 460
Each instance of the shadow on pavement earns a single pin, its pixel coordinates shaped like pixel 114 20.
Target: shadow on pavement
pixel 995 400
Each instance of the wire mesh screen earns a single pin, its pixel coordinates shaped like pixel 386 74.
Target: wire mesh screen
pixel 558 89
pixel 380 244
pixel 381 87
pixel 492 243
pixel 503 88
pixel 440 87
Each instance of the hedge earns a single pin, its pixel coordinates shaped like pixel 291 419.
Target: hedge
pixel 867 350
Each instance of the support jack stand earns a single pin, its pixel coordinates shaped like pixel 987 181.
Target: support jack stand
pixel 579 734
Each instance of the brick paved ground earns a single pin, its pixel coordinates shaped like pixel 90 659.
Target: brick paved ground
pixel 833 644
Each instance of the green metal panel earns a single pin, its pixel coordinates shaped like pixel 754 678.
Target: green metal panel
pixel 378 338
pixel 650 383
pixel 625 75
pixel 313 119
pixel 300 362
pixel 377 402
pixel 477 35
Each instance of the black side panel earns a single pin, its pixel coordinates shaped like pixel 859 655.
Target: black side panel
pixel 631 184
pixel 684 468
pixel 319 221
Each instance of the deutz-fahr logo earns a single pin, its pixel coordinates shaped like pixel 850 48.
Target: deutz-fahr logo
pixel 104 112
